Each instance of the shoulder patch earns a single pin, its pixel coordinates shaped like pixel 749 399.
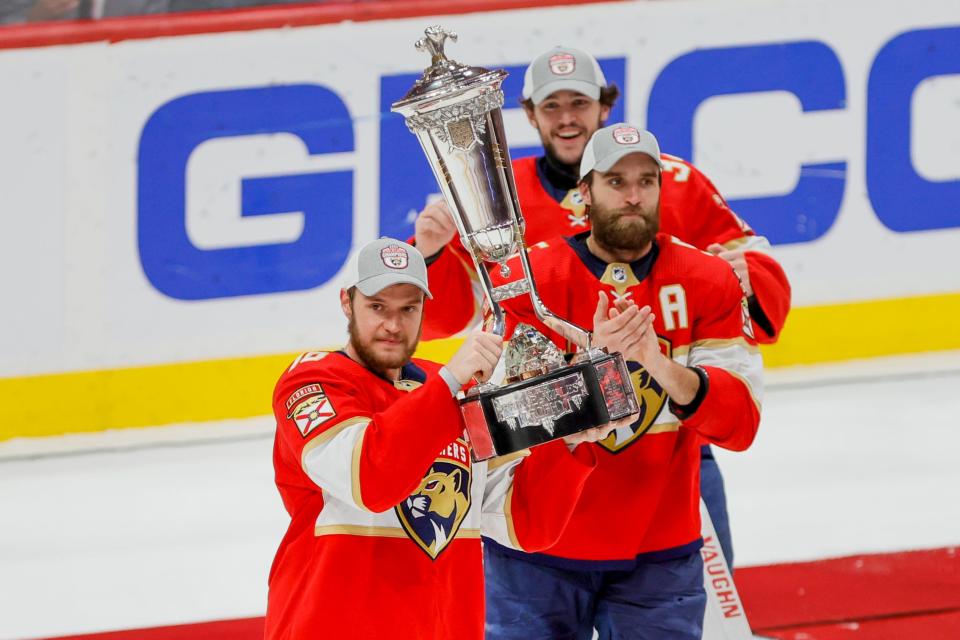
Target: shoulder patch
pixel 309 407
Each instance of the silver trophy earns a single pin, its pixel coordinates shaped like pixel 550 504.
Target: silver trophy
pixel 454 110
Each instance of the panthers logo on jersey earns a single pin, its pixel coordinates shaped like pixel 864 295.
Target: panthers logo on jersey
pixel 432 514
pixel 651 398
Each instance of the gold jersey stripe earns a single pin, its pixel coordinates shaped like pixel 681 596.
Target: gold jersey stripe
pixel 716 343
pixel 377 532
pixel 666 427
pixel 749 387
pixel 499 461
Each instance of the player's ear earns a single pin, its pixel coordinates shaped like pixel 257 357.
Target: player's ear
pixel 604 112
pixel 585 192
pixel 345 303
pixel 529 109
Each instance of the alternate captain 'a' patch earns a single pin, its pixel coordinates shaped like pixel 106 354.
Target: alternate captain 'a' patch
pixel 652 399
pixel 309 407
pixel 432 514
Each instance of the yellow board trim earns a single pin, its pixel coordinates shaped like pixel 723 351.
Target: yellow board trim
pixel 88 401
pixel 837 332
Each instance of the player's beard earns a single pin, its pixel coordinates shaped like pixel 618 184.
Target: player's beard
pixel 374 361
pixel 613 230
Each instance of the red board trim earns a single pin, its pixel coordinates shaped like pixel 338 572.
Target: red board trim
pixel 180 24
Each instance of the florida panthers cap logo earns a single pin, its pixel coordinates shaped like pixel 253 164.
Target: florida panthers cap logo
pixel 394 256
pixel 626 135
pixel 562 64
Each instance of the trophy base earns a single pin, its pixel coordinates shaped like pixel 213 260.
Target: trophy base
pixel 560 403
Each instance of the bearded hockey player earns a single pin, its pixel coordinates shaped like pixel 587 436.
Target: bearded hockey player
pixel 566 99
pixel 628 563
pixel 386 509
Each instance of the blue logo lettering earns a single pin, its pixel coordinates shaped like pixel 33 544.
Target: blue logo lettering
pixel 808 70
pixel 171 260
pixel 901 198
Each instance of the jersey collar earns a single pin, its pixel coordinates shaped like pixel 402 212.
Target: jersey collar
pixel 410 371
pixel 640 268
pixel 556 179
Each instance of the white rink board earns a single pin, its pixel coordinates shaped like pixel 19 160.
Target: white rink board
pixel 74 117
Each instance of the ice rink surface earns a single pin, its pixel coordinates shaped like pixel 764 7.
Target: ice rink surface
pixel 179 524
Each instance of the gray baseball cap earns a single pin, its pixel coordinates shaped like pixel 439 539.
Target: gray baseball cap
pixel 611 143
pixel 387 261
pixel 563 68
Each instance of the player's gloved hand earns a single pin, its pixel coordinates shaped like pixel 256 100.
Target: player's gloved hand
pixel 476 357
pixel 737 258
pixel 434 228
pixel 598 433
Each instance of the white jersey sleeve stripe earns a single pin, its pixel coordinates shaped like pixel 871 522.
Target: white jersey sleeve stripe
pixel 332 459
pixel 737 359
pixel 497 521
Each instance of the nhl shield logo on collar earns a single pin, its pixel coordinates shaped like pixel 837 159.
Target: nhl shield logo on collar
pixel 626 135
pixel 394 257
pixel 562 64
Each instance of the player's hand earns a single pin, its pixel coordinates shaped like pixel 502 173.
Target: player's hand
pixel 477 357
pixel 598 433
pixel 434 228
pixel 616 328
pixel 645 350
pixel 737 258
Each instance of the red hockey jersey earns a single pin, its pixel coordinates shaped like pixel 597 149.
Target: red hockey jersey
pixel 690 209
pixel 386 509
pixel 642 500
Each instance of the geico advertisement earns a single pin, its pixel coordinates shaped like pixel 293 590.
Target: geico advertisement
pixel 199 197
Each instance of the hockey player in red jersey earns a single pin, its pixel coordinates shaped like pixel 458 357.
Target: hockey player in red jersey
pixel 627 563
pixel 386 509
pixel 566 98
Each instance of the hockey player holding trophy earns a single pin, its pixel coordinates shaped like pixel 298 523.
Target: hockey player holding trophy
pixel 628 563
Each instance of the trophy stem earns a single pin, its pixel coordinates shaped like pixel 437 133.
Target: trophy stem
pixel 499 324
pixel 574 333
